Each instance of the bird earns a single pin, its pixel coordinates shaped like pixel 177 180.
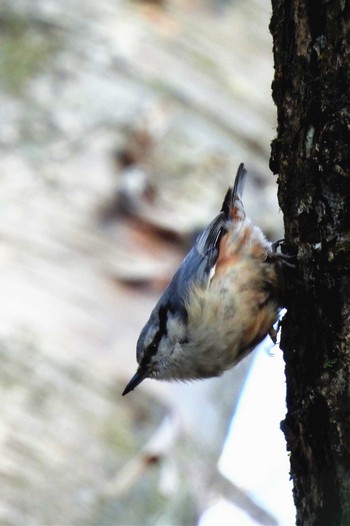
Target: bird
pixel 222 301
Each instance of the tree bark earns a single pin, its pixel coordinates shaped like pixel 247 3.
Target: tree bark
pixel 311 156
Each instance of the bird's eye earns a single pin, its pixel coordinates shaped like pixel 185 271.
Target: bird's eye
pixel 152 348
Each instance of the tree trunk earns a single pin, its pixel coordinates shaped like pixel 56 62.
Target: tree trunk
pixel 311 157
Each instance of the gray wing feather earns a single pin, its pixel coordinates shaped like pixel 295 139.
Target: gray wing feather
pixel 195 268
pixel 211 235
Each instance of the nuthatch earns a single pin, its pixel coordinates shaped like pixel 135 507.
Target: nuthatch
pixel 221 302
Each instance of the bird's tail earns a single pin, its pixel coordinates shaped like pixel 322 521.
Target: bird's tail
pixel 239 181
pixel 234 194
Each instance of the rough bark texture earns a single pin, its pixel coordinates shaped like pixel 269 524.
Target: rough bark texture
pixel 311 157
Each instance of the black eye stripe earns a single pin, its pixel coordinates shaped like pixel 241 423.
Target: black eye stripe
pixel 152 348
pixel 163 316
pixel 163 330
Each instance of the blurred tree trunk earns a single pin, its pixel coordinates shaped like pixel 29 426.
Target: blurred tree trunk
pixel 311 156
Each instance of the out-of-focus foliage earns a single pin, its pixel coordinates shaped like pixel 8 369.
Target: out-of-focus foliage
pixel 27 45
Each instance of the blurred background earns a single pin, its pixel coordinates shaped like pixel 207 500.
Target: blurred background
pixel 122 124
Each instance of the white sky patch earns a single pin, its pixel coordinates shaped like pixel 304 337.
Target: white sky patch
pixel 254 455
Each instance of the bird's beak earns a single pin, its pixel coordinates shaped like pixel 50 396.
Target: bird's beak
pixel 138 377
